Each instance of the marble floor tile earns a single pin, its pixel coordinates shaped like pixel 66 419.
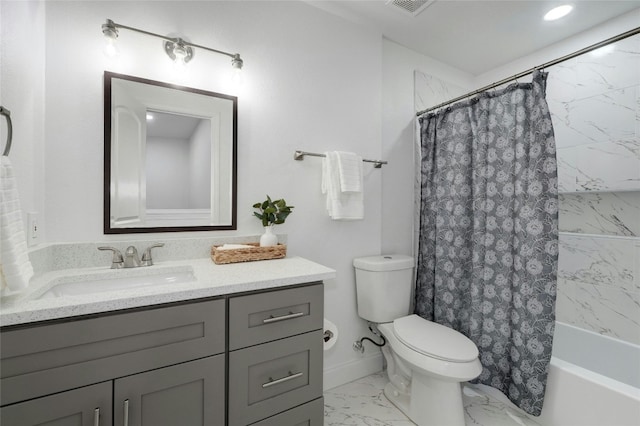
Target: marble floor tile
pixel 362 403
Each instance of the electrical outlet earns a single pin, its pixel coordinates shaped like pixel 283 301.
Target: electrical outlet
pixel 33 228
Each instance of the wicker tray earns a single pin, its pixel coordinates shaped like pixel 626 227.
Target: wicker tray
pixel 248 254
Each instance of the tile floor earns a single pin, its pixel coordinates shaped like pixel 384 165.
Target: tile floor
pixel 362 403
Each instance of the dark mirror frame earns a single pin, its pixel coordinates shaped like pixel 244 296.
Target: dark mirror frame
pixel 108 76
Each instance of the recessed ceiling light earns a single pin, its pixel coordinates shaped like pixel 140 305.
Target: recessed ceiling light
pixel 149 116
pixel 558 12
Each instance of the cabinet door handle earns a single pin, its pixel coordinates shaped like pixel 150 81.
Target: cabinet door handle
pixel 272 382
pixel 126 413
pixel 96 417
pixel 282 318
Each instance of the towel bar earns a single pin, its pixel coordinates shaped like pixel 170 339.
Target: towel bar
pixel 299 155
pixel 7 115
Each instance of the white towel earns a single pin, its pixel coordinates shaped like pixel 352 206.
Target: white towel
pixel 340 205
pixel 350 168
pixel 15 266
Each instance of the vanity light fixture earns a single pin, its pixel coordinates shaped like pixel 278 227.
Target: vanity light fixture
pixel 558 12
pixel 179 50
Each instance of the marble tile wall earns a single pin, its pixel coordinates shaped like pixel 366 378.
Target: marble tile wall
pixel 595 106
pixel 599 285
pixel 430 91
pixel 605 213
pixel 594 101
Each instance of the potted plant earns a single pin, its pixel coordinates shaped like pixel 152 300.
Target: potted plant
pixel 271 212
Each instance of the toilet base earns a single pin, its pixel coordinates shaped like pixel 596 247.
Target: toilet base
pixel 432 402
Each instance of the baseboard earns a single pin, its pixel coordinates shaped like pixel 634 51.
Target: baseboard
pixel 350 371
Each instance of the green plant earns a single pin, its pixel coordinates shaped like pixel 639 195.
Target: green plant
pixel 272 212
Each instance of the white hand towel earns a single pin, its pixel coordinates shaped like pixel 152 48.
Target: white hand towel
pixel 16 269
pixel 340 205
pixel 350 168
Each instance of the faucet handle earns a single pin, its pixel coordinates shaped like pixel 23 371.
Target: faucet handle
pixel 117 261
pixel 146 256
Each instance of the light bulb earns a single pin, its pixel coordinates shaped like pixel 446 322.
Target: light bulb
pixel 236 77
pixel 111 49
pixel 110 32
pixel 180 53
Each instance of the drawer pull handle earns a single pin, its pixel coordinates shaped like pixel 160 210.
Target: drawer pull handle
pixel 126 412
pixel 282 318
pixel 272 382
pixel 96 417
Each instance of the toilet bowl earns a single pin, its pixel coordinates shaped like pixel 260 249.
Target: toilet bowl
pixel 426 362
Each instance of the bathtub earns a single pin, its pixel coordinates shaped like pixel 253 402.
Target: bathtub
pixel 593 380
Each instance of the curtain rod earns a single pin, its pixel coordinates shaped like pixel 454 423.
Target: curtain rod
pixel 539 67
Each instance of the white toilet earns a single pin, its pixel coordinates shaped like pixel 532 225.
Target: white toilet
pixel 426 362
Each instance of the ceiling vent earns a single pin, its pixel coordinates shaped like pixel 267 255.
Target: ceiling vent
pixel 412 7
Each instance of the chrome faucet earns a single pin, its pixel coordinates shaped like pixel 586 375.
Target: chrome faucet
pixel 131 258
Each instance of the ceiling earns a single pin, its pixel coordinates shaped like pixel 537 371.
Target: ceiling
pixel 477 36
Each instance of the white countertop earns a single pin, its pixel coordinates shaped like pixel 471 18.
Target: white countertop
pixel 211 280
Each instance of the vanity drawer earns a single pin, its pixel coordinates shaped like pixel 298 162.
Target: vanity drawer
pixel 309 414
pixel 45 359
pixel 263 317
pixel 270 378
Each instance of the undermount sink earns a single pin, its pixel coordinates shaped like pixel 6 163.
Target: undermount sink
pixel 78 286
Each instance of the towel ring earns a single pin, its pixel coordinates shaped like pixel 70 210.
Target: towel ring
pixel 7 115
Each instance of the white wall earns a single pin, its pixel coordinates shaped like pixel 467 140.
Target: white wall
pixel 312 82
pixel 22 44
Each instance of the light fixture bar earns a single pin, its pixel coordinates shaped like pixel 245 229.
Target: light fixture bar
pixel 112 28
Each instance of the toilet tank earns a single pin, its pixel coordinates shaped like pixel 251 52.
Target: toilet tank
pixel 383 286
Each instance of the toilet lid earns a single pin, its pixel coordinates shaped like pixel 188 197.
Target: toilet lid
pixel 434 340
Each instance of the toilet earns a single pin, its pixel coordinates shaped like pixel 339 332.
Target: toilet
pixel 426 362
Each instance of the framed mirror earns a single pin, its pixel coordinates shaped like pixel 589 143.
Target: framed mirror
pixel 170 157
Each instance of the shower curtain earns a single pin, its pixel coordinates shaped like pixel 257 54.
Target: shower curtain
pixel 488 238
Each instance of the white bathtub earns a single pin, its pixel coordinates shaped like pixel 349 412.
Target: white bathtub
pixel 593 380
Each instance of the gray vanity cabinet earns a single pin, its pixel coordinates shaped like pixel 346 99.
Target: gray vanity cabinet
pixel 248 359
pixel 160 359
pixel 86 406
pixel 275 357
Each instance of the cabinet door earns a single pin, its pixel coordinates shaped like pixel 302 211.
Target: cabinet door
pixel 189 394
pixel 87 406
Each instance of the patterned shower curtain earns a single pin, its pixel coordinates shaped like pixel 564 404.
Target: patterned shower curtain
pixel 488 240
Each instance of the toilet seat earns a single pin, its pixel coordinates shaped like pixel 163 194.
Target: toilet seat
pixel 434 340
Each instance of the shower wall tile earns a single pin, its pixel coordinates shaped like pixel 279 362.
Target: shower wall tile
pixel 611 68
pixel 609 166
pixel 604 310
pixel 605 117
pixel 430 91
pixel 607 262
pixel 607 213
pixel 614 313
pixel 566 304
